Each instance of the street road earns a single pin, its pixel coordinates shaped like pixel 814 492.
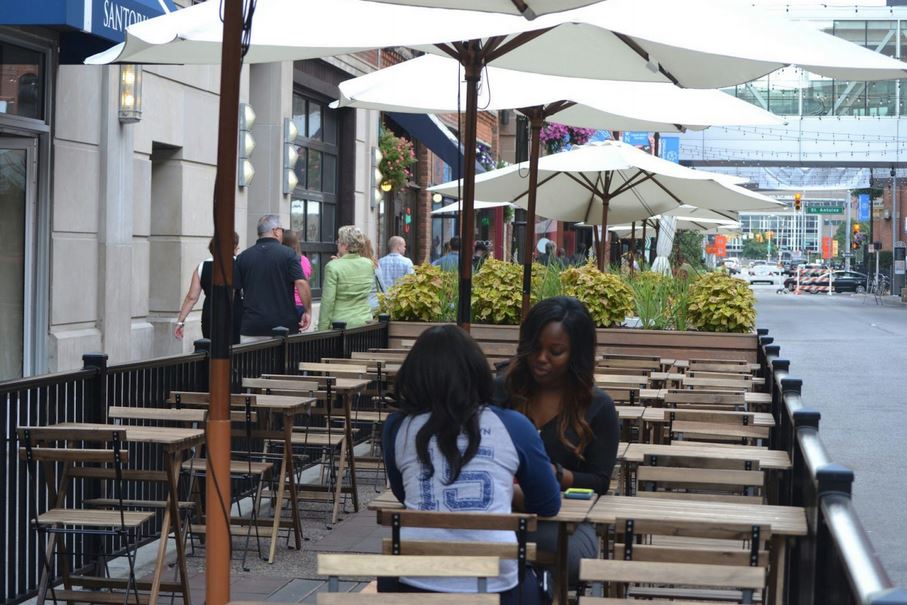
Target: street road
pixel 852 357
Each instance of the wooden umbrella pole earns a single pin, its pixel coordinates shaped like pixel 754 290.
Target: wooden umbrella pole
pixel 471 59
pixel 536 119
pixel 217 482
pixel 632 245
pixel 645 224
pixel 604 257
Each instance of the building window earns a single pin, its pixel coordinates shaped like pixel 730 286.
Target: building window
pixel 21 81
pixel 313 208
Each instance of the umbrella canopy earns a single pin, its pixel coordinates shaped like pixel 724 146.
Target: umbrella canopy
pixel 613 182
pixel 458 207
pixel 686 223
pixel 584 103
pixel 529 10
pixel 695 43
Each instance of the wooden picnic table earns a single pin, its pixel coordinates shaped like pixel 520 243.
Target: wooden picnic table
pixel 572 512
pixel 768 459
pixel 663 415
pixel 784 521
pixel 173 442
pixel 287 407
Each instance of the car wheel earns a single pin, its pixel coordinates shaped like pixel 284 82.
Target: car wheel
pixel 860 289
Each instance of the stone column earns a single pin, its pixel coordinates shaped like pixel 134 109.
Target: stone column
pixel 115 222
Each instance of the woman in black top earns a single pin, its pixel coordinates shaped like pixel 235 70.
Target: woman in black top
pixel 551 381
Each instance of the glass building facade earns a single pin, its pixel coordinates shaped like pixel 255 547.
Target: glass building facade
pixel 794 92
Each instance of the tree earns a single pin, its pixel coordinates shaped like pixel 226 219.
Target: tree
pixel 841 237
pixel 753 249
pixel 688 248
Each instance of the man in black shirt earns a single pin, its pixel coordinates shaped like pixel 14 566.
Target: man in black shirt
pixel 267 273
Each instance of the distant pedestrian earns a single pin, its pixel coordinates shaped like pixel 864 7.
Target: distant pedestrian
pixel 348 281
pixel 479 256
pixel 203 281
pixel 369 253
pixel 268 273
pixel 394 265
pixel 451 260
pixel 291 240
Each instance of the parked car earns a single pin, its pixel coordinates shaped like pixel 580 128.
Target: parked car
pixel 844 281
pixel 764 274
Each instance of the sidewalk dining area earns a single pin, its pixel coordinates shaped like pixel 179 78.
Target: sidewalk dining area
pixel 723 491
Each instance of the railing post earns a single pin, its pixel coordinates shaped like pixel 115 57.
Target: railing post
pixel 385 320
pixel 780 371
pixel 200 382
pixel 798 490
pixel 279 358
pixel 344 347
pixel 96 398
pixel 830 582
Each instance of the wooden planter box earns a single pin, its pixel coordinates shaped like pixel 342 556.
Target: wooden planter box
pixel 499 342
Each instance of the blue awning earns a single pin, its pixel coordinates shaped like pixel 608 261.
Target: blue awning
pixel 434 135
pixel 88 26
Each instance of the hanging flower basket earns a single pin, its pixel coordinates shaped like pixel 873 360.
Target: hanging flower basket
pixel 555 137
pixel 397 156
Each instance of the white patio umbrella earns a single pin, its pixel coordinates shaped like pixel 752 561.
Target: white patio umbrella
pixel 458 207
pixel 579 102
pixel 643 40
pixel 685 223
pixel 530 10
pixel 613 181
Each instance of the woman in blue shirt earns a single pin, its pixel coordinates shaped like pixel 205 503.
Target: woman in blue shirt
pixel 448 450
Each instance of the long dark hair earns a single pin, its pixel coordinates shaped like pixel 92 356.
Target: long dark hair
pixel 447 375
pixel 577 395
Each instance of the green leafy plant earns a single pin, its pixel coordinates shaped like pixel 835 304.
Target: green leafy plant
pixel 497 293
pixel 397 156
pixel 720 303
pixel 680 302
pixel 607 297
pixel 652 294
pixel 546 281
pixel 428 294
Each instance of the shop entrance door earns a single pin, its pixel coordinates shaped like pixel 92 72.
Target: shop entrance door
pixel 17 211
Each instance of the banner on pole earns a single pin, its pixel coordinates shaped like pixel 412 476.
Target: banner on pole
pixel 865 207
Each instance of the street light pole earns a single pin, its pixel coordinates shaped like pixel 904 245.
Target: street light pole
pixel 847 248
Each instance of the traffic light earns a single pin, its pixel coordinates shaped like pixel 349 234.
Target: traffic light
pixel 798 197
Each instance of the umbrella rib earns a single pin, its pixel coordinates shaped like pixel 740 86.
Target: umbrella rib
pixel 539 184
pixel 450 50
pixel 629 184
pixel 665 189
pixel 500 49
pixel 642 53
pixel 585 182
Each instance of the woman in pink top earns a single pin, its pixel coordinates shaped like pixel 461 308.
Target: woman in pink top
pixel 291 240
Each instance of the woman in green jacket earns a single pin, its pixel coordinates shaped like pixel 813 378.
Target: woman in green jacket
pixel 348 281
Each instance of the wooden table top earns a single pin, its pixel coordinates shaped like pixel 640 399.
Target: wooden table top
pixel 572 511
pixel 768 459
pixel 663 376
pixel 630 412
pixel 614 379
pixel 351 384
pixel 157 414
pixel 170 438
pixel 783 520
pixel 661 415
pixel 748 397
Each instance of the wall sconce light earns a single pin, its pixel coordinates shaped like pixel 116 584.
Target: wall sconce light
pixel 386 186
pixel 437 197
pixel 130 107
pixel 290 156
pixel 245 170
pixel 377 178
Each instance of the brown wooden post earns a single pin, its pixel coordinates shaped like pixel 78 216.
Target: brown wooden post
pixel 472 60
pixel 604 257
pixel 536 119
pixel 217 482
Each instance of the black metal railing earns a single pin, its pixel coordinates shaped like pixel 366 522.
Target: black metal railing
pixel 84 396
pixel 835 563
